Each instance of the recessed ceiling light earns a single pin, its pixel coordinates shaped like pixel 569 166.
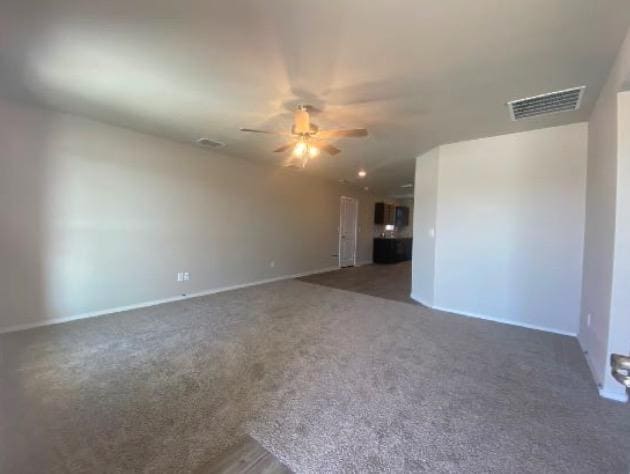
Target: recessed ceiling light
pixel 408 185
pixel 362 173
pixel 365 188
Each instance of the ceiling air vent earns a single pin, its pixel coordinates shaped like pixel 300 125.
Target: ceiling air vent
pixel 207 142
pixel 550 103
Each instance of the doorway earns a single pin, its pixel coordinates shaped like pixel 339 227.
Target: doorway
pixel 348 229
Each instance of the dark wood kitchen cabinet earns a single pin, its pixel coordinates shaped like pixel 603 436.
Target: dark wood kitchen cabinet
pixel 384 214
pixel 392 250
pixel 402 216
pixel 388 214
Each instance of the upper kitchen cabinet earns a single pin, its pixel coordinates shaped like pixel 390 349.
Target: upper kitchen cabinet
pixel 402 216
pixel 384 214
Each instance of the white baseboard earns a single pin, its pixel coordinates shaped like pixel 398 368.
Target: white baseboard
pixel 589 362
pixel 419 300
pixel 144 304
pixel 616 395
pixel 613 395
pixel 490 318
pixel 504 321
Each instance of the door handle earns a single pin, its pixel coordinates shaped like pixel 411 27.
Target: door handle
pixel 620 369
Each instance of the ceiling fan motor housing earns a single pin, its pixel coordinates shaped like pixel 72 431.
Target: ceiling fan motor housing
pixel 301 122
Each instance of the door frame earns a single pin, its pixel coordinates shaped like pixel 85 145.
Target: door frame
pixel 356 229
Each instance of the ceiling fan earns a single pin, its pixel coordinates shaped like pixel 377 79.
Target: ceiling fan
pixel 307 139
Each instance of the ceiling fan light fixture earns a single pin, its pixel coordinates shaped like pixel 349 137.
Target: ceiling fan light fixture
pixel 313 151
pixel 300 149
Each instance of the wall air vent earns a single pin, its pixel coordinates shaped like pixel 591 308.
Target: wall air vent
pixel 208 143
pixel 550 103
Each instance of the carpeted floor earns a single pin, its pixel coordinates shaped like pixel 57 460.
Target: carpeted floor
pixel 326 380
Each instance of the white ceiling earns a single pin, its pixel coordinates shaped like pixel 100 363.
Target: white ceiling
pixel 415 73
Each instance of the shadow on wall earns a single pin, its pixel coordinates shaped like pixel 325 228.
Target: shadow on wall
pixel 536 215
pixel 24 239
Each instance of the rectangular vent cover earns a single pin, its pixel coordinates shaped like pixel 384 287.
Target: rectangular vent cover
pixel 551 103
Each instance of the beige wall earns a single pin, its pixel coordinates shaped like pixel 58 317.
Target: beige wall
pixel 95 217
pixel 508 213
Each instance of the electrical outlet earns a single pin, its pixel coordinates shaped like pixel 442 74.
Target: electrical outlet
pixel 186 276
pixel 588 319
pixel 180 276
pixel 272 263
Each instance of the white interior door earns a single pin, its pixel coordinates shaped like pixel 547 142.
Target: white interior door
pixel 349 211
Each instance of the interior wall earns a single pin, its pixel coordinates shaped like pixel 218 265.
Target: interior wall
pixel 602 200
pixel 619 326
pixel 509 226
pixel 95 217
pixel 424 215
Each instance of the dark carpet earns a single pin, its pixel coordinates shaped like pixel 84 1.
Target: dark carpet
pixel 390 281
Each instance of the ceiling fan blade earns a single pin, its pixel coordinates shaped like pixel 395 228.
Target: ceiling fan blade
pixel 284 148
pixel 353 132
pixel 261 131
pixel 328 148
